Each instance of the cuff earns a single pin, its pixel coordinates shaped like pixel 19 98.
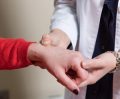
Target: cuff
pixel 71 33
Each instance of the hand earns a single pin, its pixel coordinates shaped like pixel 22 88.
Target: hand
pixel 61 63
pixel 55 38
pixel 98 67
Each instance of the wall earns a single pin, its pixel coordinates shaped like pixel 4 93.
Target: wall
pixel 27 19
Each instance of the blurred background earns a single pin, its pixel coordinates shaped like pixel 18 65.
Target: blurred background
pixel 27 19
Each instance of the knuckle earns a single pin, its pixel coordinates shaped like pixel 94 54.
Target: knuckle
pixel 76 57
pixel 78 54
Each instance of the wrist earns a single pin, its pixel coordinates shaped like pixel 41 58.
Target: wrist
pixel 34 52
pixel 117 61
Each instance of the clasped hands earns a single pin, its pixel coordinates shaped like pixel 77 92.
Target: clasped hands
pixel 70 68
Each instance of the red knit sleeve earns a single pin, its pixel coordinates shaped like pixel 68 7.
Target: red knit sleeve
pixel 13 53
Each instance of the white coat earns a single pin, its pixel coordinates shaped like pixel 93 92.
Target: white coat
pixel 80 19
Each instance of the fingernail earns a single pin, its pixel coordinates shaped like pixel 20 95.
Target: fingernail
pixel 75 91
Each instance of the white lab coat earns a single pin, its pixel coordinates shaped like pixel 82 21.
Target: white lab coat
pixel 79 19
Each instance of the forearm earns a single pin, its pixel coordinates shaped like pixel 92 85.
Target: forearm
pixel 13 53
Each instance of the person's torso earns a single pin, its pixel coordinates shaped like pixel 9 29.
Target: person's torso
pixel 88 15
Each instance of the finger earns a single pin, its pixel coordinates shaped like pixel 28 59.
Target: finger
pixel 74 91
pixel 93 77
pixel 92 64
pixel 86 82
pixel 73 75
pixel 82 74
pixel 67 82
pixel 46 40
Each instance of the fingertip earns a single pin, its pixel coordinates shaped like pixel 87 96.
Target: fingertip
pixel 46 42
pixel 45 36
pixel 84 64
pixel 87 64
pixel 75 91
pixel 74 88
pixel 68 83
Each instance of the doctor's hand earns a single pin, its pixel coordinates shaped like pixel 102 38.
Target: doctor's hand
pixel 64 65
pixel 98 67
pixel 55 38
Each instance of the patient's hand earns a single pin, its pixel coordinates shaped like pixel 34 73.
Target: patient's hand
pixel 64 64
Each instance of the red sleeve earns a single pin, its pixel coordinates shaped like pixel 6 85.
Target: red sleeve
pixel 13 53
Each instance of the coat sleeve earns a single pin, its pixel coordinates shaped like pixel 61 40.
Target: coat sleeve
pixel 13 53
pixel 64 18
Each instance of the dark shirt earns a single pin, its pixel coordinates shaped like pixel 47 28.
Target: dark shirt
pixel 105 42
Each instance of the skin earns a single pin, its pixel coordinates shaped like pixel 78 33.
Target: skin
pixel 55 38
pixel 59 62
pixel 97 67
